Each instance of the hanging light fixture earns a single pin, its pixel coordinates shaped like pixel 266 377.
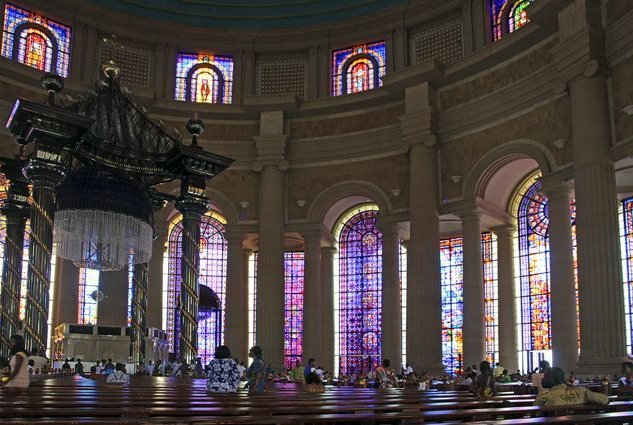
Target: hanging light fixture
pixel 103 219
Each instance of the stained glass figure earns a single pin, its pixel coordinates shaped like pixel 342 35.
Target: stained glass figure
pixel 204 78
pixel 452 289
pixel 294 263
pixel 359 68
pixel 626 243
pixel 35 40
pixel 213 257
pixel 358 292
pixel 507 16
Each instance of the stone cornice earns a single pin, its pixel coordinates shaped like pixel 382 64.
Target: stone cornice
pixel 477 205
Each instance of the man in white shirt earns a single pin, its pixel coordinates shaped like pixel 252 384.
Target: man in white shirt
pixel 408 370
pixel 319 371
pixel 150 368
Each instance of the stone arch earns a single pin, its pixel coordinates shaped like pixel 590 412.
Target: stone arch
pixel 482 172
pixel 327 200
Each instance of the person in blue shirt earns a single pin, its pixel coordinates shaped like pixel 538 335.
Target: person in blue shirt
pixel 309 368
pixel 255 372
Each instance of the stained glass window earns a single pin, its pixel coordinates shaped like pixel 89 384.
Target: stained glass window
pixel 452 288
pixel 533 266
pixel 204 78
pixel 252 300
pixel 403 299
pixel 626 243
pixel 35 40
pixel 507 16
pixel 293 317
pixel 359 68
pixel 491 297
pixel 358 291
pixel 213 254
pixel 89 297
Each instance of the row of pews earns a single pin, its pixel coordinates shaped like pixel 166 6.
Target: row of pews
pixel 77 400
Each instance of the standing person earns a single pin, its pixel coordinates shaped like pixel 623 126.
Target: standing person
pixel 296 374
pixel 485 383
pixel 19 375
pixel 386 376
pixel 223 375
pixel 309 368
pixel 255 372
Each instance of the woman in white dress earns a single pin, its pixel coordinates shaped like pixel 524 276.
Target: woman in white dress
pixel 19 376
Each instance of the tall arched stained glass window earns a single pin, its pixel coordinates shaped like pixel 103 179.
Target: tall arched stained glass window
pixel 204 78
pixel 252 299
pixel 402 259
pixel 452 288
pixel 491 295
pixel 626 243
pixel 507 16
pixel 293 317
pixel 89 297
pixel 213 255
pixel 35 40
pixel 359 68
pixel 358 291
pixel 530 208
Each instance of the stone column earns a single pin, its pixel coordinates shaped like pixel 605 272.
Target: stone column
pixel 562 281
pixel 140 280
pixel 312 299
pixel 424 332
pixel 327 305
pixel 155 305
pixel 236 306
pixel 270 264
pixel 579 58
pixel 391 314
pixel 113 309
pixel 15 211
pixel 44 177
pixel 68 292
pixel 192 206
pixel 473 328
pixel 508 349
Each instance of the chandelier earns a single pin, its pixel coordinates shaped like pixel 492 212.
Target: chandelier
pixel 103 220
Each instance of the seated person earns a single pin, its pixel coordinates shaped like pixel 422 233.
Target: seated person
pixel 625 384
pixel 563 394
pixel 118 376
pixel 314 384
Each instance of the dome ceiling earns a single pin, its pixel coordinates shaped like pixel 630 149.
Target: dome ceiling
pixel 249 13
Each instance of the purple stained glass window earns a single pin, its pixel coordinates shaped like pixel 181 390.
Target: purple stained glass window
pixel 252 299
pixel 204 78
pixel 35 40
pixel 359 68
pixel 507 16
pixel 452 288
pixel 491 298
pixel 293 317
pixel 360 293
pixel 626 242
pixel 213 254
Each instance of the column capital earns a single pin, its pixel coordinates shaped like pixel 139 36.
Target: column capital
pixel 234 236
pixel 388 227
pixel 259 165
pixel 556 189
pixel 329 250
pixel 418 128
pixel 192 197
pixel 504 230
pixel 469 215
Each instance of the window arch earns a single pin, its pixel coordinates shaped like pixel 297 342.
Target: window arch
pixel 358 291
pixel 204 78
pixel 532 256
pixel 213 259
pixel 507 16
pixel 359 68
pixel 36 41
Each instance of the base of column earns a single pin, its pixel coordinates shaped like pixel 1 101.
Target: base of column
pixel 600 366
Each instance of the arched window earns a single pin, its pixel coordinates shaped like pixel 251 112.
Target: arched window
pixel 204 78
pixel 358 291
pixel 507 16
pixel 35 40
pixel 532 256
pixel 213 257
pixel 359 68
pixel 626 243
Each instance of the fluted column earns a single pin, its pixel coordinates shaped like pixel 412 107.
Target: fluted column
pixel 562 281
pixel 15 210
pixel 236 307
pixel 473 328
pixel 192 206
pixel 140 279
pixel 270 267
pixel 508 349
pixel 579 59
pixel 44 178
pixel 391 314
pixel 327 306
pixel 312 298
